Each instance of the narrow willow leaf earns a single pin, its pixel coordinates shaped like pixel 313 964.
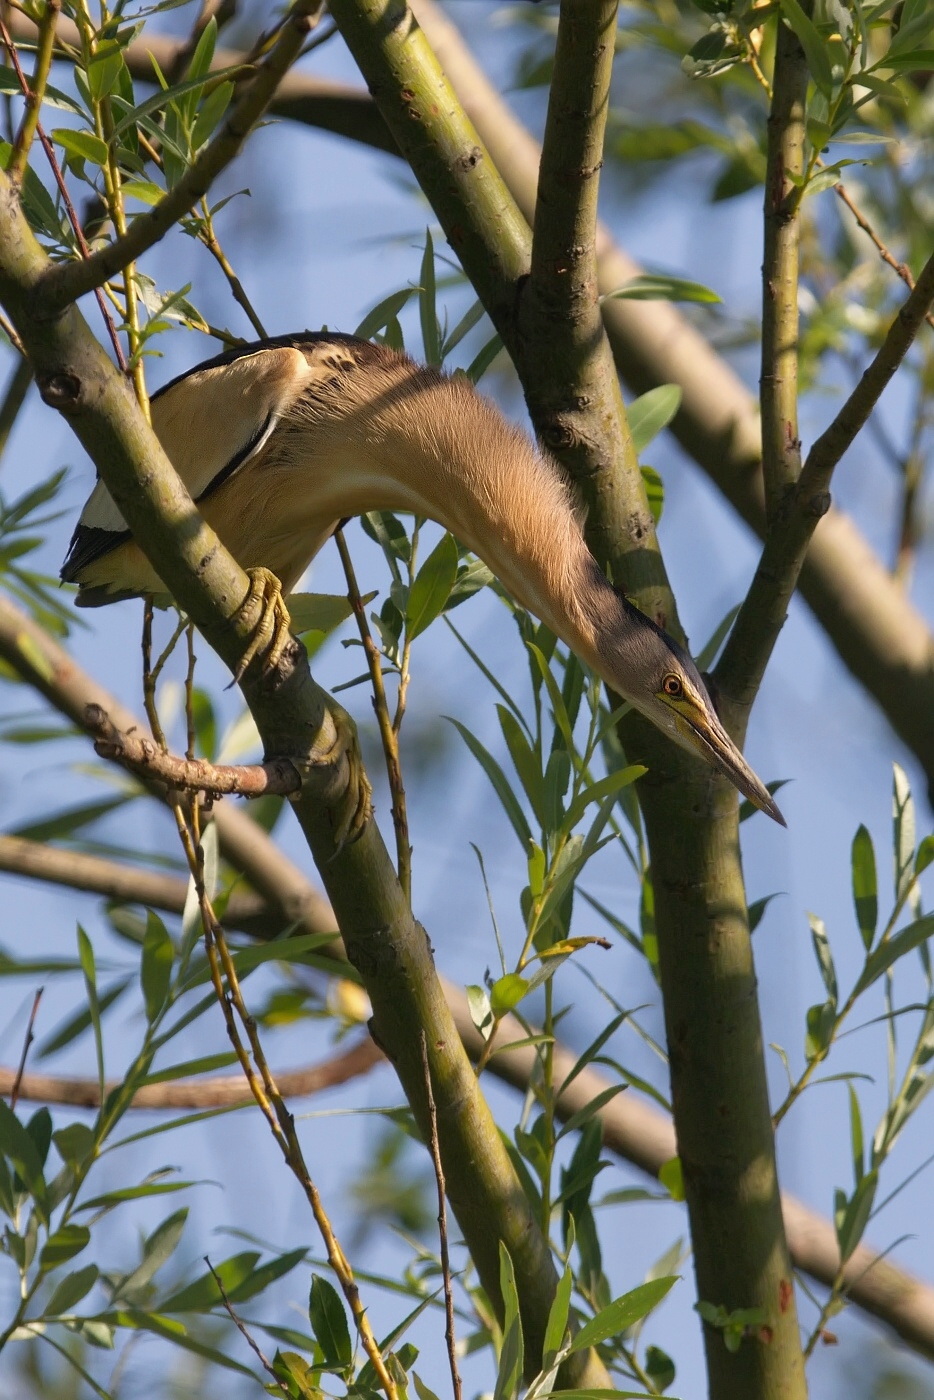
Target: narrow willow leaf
pixel 856 1136
pixel 329 1323
pixel 156 966
pixel 86 956
pixel 652 412
pixel 622 1314
pixel 886 954
pixel 72 1288
pixel 83 144
pixel 500 784
pixel 79 1022
pixel 654 491
pixel 605 787
pixel 557 1324
pixel 511 1356
pixel 432 586
pixel 384 312
pixel 62 1245
pixel 526 762
pixel 647 287
pixel 507 992
pixel 203 1294
pixel 865 889
pixel 903 823
pixel 672 1178
pixel 427 308
pixel 851 1221
pixel 320 612
pixel 824 956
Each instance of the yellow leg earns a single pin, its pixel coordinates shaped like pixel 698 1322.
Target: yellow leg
pixel 356 807
pixel 273 630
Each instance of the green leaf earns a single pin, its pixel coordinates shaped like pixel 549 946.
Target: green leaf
pixel 649 287
pixel 609 786
pixel 329 1323
pixel 64 1244
pixel 815 49
pixel 384 312
pixel 500 784
pixel 157 1250
pixel 71 819
pixel 74 1143
pixel 431 587
pixel 820 1022
pixel 654 491
pixel 887 953
pixel 204 1294
pixel 557 1324
pixel 478 1004
pixel 71 1290
pixel 903 822
pixel 511 1356
pixel 86 957
pixel 210 114
pixel 652 412
pixel 79 1022
pixel 672 1178
pixel 19 1147
pixel 156 966
pixel 863 862
pixel 856 1136
pixel 851 1220
pixel 624 1313
pixel 104 69
pixel 320 612
pixel 924 855
pixel 507 992
pixel 484 358
pixel 427 310
pixel 83 144
pixel 824 957
pixel 757 909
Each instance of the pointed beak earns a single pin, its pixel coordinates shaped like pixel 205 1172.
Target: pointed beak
pixel 713 743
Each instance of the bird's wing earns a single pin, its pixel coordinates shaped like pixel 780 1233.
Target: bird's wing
pixel 210 422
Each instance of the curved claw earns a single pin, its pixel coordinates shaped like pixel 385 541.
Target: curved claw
pixel 356 806
pixel 273 631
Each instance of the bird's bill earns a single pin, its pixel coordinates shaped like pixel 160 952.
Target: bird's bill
pixel 706 736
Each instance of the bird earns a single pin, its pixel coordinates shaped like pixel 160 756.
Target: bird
pixel 280 440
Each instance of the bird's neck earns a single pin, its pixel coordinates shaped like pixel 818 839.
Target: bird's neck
pixel 466 467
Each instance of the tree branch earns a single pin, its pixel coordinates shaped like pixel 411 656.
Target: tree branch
pixel 563 356
pixel 778 385
pixel 220 1091
pixel 762 615
pixel 146 760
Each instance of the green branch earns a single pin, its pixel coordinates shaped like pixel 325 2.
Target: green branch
pixel 562 353
pixel 778 385
pixel 765 606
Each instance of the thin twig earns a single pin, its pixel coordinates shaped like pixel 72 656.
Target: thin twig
pixel 435 1150
pixel 18 1080
pixel 150 761
pixel 35 92
pixel 761 617
pixel 66 199
pixel 902 269
pixel 208 237
pixel 387 733
pixel 244 1332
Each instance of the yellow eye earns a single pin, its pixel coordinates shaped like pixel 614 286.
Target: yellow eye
pixel 672 686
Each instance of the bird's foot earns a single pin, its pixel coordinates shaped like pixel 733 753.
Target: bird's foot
pixel 355 807
pixel 272 633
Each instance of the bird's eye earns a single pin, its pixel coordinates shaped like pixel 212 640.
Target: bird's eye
pixel 672 686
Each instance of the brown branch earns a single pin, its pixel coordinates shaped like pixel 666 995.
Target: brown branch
pixel 64 283
pixel 434 1149
pixel 148 761
pixel 762 615
pixel 17 1086
pixel 219 1091
pixel 901 269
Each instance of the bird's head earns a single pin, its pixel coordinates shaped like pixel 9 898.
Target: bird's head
pixel 660 680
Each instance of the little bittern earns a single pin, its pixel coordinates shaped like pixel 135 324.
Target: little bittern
pixel 280 440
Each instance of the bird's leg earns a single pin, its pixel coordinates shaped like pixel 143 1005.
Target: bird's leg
pixel 355 807
pixel 272 633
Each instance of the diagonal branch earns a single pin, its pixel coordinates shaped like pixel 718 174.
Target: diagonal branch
pixel 765 606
